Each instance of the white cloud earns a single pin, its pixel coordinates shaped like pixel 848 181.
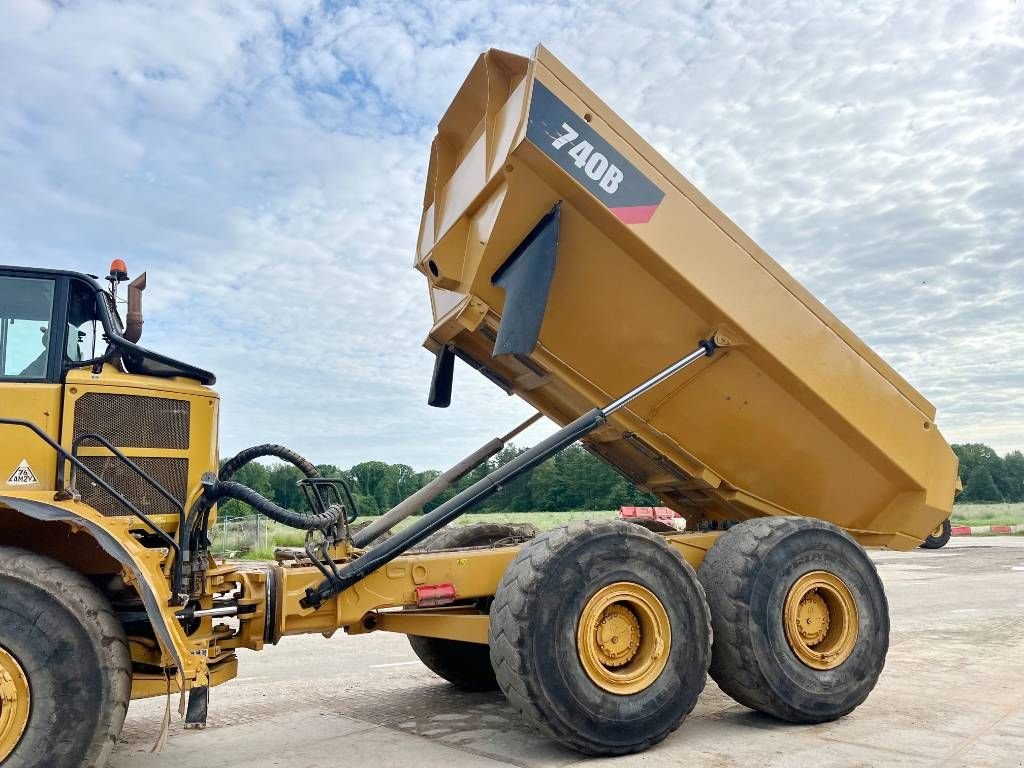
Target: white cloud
pixel 265 161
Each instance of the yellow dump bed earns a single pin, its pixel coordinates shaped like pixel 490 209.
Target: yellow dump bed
pixel 793 415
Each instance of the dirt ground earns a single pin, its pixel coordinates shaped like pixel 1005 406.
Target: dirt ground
pixel 952 694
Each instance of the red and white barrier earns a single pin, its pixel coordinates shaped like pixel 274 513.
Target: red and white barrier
pixel 975 530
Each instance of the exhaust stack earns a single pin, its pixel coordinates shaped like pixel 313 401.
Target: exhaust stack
pixel 133 319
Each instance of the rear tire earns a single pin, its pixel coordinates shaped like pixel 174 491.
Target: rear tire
pixel 763 656
pixel 939 537
pixel 543 627
pixel 62 633
pixel 467 666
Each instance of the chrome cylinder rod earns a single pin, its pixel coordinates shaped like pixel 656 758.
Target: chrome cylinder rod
pixel 706 349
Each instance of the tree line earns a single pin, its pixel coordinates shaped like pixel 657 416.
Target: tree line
pixel 987 476
pixel 573 480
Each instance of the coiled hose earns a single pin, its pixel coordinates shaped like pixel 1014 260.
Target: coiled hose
pixel 225 488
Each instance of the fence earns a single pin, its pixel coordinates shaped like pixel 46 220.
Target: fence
pixel 239 536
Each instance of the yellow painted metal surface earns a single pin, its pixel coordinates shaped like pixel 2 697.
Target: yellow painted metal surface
pixel 202 451
pixel 467 625
pixel 473 573
pixel 150 565
pixel 147 685
pixel 19 448
pixel 794 415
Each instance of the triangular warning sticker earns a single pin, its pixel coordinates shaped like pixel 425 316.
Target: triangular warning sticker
pixel 23 475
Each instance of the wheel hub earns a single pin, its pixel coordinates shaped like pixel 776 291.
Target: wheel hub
pixel 618 635
pixel 623 638
pixel 821 620
pixel 812 618
pixel 14 703
pixel 937 533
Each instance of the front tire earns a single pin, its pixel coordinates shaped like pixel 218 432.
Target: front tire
pixel 800 618
pixel 62 635
pixel 600 637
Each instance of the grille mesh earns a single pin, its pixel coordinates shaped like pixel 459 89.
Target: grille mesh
pixel 172 474
pixel 133 421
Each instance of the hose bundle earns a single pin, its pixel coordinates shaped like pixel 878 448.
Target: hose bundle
pixel 224 488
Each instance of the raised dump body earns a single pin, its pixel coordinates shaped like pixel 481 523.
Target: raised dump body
pixel 793 415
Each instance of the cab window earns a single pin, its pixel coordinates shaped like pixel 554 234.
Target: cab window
pixel 26 315
pixel 83 324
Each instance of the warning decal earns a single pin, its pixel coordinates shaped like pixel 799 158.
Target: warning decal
pixel 23 475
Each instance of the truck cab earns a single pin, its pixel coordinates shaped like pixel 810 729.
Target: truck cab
pixel 70 367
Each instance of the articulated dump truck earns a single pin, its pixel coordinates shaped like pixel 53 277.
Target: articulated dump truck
pixel 727 390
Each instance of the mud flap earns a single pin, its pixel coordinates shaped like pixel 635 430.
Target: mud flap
pixel 526 279
pixel 441 382
pixel 198 708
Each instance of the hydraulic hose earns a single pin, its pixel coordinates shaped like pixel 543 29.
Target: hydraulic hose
pixel 259 451
pixel 226 489
pixel 196 523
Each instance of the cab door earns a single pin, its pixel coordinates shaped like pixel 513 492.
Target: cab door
pixel 31 367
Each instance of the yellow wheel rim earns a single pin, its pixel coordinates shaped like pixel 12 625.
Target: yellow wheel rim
pixel 624 638
pixel 937 533
pixel 14 703
pixel 821 620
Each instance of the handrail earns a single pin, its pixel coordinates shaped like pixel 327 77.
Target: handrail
pixel 140 471
pixel 65 456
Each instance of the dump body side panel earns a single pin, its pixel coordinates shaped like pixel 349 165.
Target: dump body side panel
pixel 795 415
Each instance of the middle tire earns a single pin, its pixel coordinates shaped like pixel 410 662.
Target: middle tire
pixel 600 636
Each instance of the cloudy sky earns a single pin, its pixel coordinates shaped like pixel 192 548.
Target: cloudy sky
pixel 264 161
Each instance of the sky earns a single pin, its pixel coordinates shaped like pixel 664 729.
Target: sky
pixel 264 162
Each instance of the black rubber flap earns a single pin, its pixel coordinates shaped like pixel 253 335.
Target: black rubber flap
pixel 526 278
pixel 441 382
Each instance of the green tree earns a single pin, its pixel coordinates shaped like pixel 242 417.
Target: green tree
pixel 1014 466
pixel 543 485
pixel 254 475
pixel 974 455
pixel 981 487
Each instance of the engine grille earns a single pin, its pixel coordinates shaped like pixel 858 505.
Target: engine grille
pixel 172 474
pixel 133 421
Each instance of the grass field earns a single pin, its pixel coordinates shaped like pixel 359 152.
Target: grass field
pixel 988 514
